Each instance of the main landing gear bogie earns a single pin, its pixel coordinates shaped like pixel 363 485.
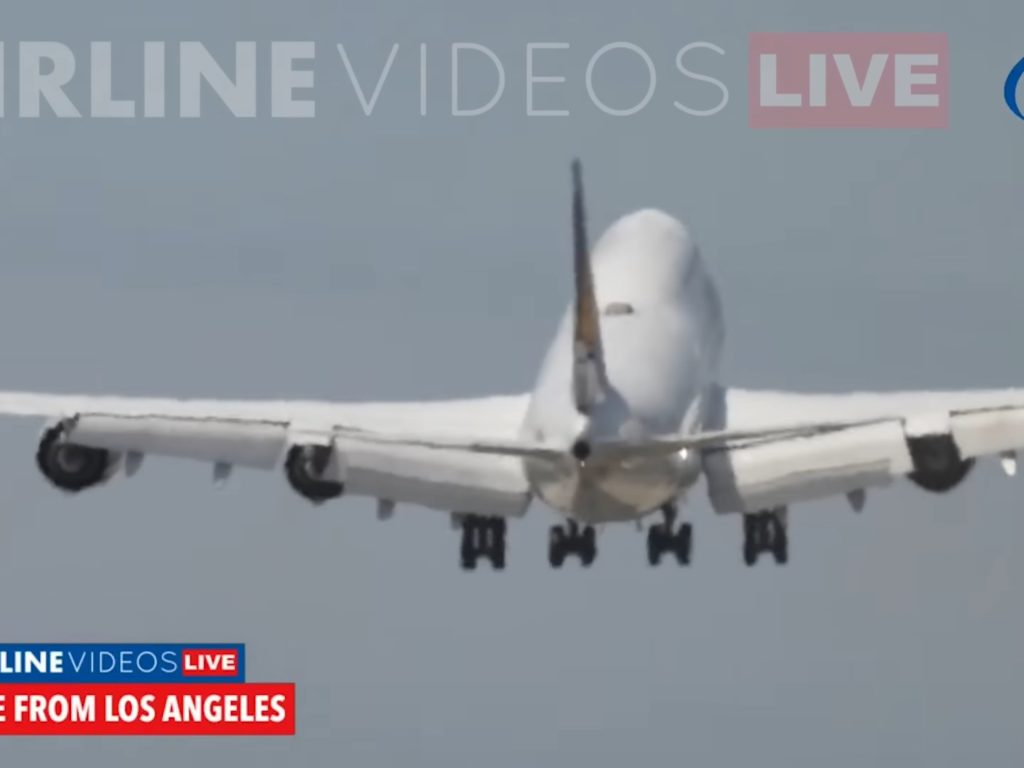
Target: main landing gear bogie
pixel 482 537
pixel 571 539
pixel 485 537
pixel 664 538
pixel 766 532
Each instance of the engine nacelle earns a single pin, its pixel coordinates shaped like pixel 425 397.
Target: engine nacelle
pixel 72 467
pixel 305 466
pixel 938 466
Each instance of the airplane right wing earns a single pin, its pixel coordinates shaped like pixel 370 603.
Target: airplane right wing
pixel 778 448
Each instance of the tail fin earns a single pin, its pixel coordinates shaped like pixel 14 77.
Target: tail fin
pixel 588 371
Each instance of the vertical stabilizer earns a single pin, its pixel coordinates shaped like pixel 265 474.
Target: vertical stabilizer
pixel 588 372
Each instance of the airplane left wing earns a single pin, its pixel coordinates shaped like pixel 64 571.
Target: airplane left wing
pixel 781 447
pixel 325 449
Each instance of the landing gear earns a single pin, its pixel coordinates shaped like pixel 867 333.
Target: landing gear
pixel 662 538
pixel 766 532
pixel 482 537
pixel 570 539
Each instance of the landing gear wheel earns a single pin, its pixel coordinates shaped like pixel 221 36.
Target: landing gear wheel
pixel 663 538
pixel 482 537
pixel 655 544
pixel 751 540
pixel 766 532
pixel 780 550
pixel 569 539
pixel 588 546
pixel 556 546
pixel 749 554
pixel 498 546
pixel 468 550
pixel 684 543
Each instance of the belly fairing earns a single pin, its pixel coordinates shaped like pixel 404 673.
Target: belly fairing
pixel 614 491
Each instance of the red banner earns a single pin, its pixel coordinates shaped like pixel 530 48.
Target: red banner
pixel 157 709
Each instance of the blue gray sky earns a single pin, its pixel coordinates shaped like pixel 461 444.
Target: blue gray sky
pixel 400 256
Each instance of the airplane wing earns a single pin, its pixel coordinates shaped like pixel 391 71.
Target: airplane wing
pixel 777 448
pixel 366 449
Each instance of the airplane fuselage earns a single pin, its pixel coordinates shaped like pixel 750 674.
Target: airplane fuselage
pixel 662 330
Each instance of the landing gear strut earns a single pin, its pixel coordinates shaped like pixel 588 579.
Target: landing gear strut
pixel 662 538
pixel 765 532
pixel 570 539
pixel 482 537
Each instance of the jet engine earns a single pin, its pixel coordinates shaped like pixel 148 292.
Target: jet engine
pixel 938 466
pixel 72 467
pixel 305 466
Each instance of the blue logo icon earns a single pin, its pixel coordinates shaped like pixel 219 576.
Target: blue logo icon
pixel 1010 89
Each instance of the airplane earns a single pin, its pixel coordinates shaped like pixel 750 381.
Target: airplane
pixel 627 414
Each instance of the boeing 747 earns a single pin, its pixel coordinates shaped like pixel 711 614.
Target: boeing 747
pixel 628 412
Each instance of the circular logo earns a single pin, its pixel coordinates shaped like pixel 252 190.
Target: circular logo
pixel 1010 89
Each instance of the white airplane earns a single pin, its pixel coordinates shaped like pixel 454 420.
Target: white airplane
pixel 626 415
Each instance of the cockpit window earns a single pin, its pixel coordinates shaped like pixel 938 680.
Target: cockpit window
pixel 618 308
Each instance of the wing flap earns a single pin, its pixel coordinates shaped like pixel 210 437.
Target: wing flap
pixel 862 440
pixel 445 480
pixel 988 431
pixel 780 472
pixel 426 473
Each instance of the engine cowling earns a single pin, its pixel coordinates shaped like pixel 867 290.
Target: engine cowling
pixel 938 465
pixel 304 466
pixel 69 466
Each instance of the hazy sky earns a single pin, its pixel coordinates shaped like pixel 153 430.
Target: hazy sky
pixel 400 256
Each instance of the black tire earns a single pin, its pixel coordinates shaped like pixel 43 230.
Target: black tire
pixel 749 552
pixel 655 545
pixel 781 551
pixel 588 546
pixel 498 546
pixel 556 546
pixel 467 551
pixel 684 544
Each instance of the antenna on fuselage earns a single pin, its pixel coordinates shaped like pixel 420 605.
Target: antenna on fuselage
pixel 588 372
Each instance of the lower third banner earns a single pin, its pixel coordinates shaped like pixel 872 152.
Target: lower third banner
pixel 158 709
